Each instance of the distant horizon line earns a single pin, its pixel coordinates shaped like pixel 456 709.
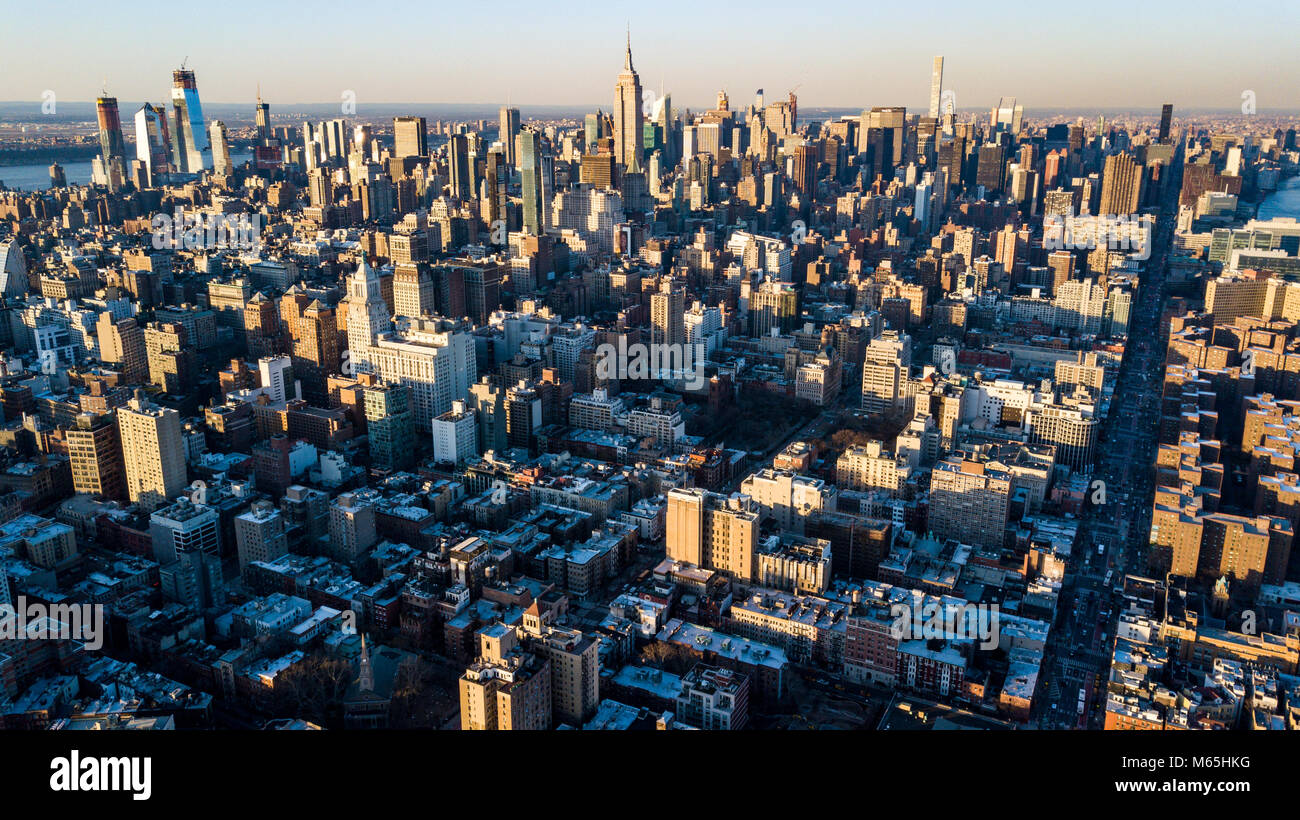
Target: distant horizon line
pixel 589 108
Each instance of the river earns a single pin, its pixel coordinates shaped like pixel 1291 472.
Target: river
pixel 37 177
pixel 1285 201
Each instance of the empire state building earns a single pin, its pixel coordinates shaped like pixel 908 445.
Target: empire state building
pixel 628 117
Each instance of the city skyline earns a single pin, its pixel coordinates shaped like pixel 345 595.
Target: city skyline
pixel 800 370
pixel 1131 67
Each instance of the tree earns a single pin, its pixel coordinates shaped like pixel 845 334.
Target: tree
pixel 669 657
pixel 314 690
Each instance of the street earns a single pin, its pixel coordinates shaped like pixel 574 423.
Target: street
pixel 1114 526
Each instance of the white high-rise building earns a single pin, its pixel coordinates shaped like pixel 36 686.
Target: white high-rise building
pixel 276 373
pixel 936 87
pixel 455 435
pixel 13 268
pixel 667 311
pixel 787 498
pixel 1080 305
pixel 367 313
pixel 702 324
pixel 888 360
pixel 220 148
pixel 151 141
pixel 153 452
pixel 567 343
pixel 589 211
pixel 437 366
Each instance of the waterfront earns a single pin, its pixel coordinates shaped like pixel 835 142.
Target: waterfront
pixel 37 177
pixel 1285 201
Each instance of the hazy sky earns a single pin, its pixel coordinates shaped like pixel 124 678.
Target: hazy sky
pixel 1084 54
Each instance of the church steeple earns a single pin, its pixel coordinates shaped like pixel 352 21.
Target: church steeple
pixel 366 680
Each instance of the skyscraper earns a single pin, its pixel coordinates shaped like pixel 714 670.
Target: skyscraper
pixel 314 351
pixel 410 137
pixel 488 402
pixel 772 305
pixel 260 534
pixel 191 135
pixel 95 452
pixel 936 87
pixel 267 151
pixel 496 192
pixel 436 365
pixel 969 499
pixel 121 342
pixel 367 312
pixel 509 128
pixel 667 314
pixel 1166 117
pixel 13 268
pixel 531 169
pixel 152 451
pixel 991 167
pixel 153 141
pixel 390 427
pixel 187 544
pixel 712 531
pixel 511 692
pixel 220 148
pixel 575 673
pixel 110 137
pixel 886 364
pixel 1121 185
pixel 523 415
pixel 262 117
pixel 414 290
pixel 1004 117
pixel 883 133
pixel 805 169
pixel 482 280
pixel 459 168
pixel 628 116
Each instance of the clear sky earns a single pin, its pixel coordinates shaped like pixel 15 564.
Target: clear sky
pixel 1102 53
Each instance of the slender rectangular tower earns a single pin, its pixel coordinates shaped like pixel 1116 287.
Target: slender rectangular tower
pixel 936 87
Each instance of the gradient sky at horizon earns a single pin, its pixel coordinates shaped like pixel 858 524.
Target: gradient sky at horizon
pixel 1101 54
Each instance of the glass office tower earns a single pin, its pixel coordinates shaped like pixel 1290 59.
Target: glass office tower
pixel 191 134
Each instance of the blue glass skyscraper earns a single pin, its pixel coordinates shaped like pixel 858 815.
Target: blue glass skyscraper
pixel 190 133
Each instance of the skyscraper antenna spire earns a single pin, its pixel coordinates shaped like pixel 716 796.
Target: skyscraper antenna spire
pixel 627 62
